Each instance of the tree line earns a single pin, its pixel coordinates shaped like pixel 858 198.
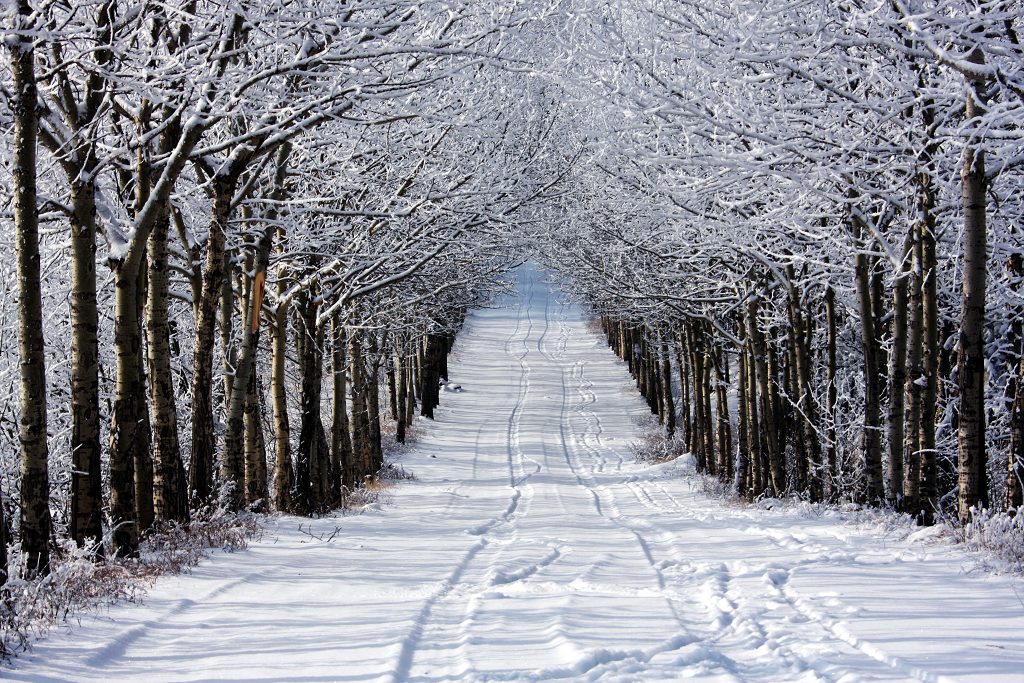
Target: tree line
pixel 801 230
pixel 245 235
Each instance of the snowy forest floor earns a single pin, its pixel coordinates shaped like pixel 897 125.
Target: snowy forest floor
pixel 530 546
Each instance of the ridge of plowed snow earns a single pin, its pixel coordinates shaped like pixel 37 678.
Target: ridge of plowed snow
pixel 530 547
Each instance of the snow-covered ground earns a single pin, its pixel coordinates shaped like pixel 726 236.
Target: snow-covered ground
pixel 531 547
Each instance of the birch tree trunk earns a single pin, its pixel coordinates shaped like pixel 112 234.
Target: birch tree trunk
pixel 283 472
pixel 971 344
pixel 86 519
pixel 871 442
pixel 898 363
pixel 341 440
pixel 35 479
pixel 170 498
pixel 200 474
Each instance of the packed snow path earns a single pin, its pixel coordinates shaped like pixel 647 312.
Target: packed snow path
pixel 531 547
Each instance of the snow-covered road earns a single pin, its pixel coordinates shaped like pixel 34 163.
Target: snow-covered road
pixel 531 547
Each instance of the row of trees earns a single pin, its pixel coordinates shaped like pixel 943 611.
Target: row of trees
pixel 231 220
pixel 802 231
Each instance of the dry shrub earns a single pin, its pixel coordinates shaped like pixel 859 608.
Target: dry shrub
pixel 657 446
pixel 999 536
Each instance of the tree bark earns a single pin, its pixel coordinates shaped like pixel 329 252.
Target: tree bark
pixel 170 498
pixel 341 440
pixel 283 472
pixel 233 465
pixel 35 480
pixel 971 347
pixel 255 448
pixel 666 384
pixel 200 474
pixel 742 479
pixel 86 520
pixel 898 363
pixel 1015 392
pixel 831 394
pixel 143 469
pixel 766 405
pixel 871 442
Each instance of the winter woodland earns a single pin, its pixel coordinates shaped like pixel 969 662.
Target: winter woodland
pixel 243 237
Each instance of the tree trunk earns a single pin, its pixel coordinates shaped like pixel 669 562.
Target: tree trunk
pixel 143 469
pixel 125 436
pixel 666 384
pixel 283 473
pixel 374 404
pixel 360 423
pixel 1015 391
pixel 402 397
pixel 255 448
pixel 341 440
pixel 35 480
pixel 766 404
pixel 170 498
pixel 684 383
pixel 971 345
pixel 831 394
pixel 86 518
pixel 233 465
pixel 871 442
pixel 913 390
pixel 898 361
pixel 200 472
pixel 724 421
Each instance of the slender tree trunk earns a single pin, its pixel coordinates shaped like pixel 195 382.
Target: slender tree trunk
pixel 125 433
pixel 255 448
pixel 913 390
pixel 341 440
pixel 666 383
pixel 392 391
pixel 203 440
pixel 871 442
pixel 766 404
pixel 930 360
pixel 373 409
pixel 684 383
pixel 283 473
pixel 35 481
pixel 410 394
pixel 781 413
pixel 1015 391
pixel 741 482
pixel 86 519
pixel 143 469
pixel 360 422
pixel 402 397
pixel 233 466
pixel 724 421
pixel 170 500
pixel 971 345
pixel 831 394
pixel 898 362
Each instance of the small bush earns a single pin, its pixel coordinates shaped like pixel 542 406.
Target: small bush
pixel 999 535
pixel 657 446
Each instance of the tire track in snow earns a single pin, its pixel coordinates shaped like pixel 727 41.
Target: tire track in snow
pixel 601 497
pixel 518 481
